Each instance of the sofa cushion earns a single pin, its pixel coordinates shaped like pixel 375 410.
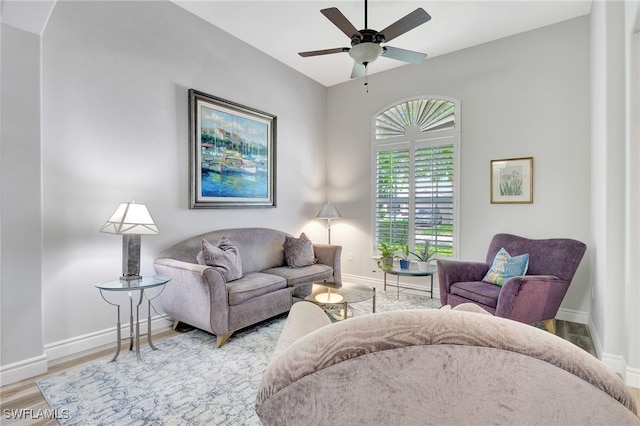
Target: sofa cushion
pixel 477 291
pixel 252 285
pixel 298 252
pixel 225 257
pixel 304 275
pixel 504 267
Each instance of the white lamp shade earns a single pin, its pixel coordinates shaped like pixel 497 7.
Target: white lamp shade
pixel 329 211
pixel 130 218
pixel 365 53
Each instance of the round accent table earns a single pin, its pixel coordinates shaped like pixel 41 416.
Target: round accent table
pixel 407 273
pixel 141 285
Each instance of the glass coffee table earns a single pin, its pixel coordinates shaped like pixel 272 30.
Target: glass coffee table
pixel 329 293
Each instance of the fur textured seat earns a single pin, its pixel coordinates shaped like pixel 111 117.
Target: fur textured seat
pixel 460 366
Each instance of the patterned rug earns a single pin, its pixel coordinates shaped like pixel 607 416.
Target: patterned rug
pixel 188 381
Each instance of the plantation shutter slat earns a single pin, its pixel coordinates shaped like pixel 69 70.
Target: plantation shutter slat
pixel 434 197
pixel 392 195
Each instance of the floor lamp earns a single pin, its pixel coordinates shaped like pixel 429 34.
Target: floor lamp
pixel 329 211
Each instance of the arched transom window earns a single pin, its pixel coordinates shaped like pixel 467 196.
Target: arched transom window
pixel 426 114
pixel 416 144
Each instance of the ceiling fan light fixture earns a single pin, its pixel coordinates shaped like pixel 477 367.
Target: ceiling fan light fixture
pixel 365 53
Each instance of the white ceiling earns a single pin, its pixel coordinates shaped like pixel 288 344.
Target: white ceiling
pixel 281 29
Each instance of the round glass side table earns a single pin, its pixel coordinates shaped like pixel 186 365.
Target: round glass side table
pixel 407 273
pixel 141 285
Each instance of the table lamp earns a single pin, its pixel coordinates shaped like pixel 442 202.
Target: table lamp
pixel 329 211
pixel 130 220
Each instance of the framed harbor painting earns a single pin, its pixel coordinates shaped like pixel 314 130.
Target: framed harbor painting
pixel 512 181
pixel 232 154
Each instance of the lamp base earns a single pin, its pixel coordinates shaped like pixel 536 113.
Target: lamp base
pixel 130 278
pixel 131 257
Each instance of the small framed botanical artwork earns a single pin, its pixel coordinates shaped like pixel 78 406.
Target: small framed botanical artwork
pixel 232 154
pixel 512 181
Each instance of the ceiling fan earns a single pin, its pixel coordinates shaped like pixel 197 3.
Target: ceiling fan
pixel 366 44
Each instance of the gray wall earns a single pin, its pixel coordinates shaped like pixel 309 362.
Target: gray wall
pixel 21 205
pixel 615 210
pixel 522 96
pixel 115 81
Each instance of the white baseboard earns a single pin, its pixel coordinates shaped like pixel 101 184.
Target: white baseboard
pixel 579 317
pixel 632 377
pixel 95 340
pixel 23 370
pixel 595 338
pixel 39 365
pixel 617 363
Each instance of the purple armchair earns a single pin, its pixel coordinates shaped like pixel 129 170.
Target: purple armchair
pixel 534 297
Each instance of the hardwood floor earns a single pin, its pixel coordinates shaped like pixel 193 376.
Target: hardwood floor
pixel 24 397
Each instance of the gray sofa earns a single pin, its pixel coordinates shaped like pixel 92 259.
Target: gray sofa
pixel 198 295
pixel 414 367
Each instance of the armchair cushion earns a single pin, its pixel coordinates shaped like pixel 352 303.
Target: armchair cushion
pixel 478 291
pixel 504 267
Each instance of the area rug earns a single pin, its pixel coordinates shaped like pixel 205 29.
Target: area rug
pixel 188 381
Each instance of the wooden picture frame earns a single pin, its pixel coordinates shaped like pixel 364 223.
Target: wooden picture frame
pixel 512 181
pixel 232 154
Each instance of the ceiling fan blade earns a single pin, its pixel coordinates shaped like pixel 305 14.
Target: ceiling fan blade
pixel 358 70
pixel 402 25
pixel 403 55
pixel 340 21
pixel 323 52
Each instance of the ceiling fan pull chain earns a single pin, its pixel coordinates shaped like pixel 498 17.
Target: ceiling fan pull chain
pixel 366 77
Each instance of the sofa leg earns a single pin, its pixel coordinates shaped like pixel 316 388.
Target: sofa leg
pixel 175 324
pixel 222 338
pixel 551 325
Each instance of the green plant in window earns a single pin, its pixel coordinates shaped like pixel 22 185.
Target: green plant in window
pixel 424 253
pixel 386 250
pixel 405 251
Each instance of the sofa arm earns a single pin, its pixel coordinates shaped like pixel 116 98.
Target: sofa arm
pixel 531 298
pixel 453 271
pixel 303 318
pixel 196 295
pixel 330 255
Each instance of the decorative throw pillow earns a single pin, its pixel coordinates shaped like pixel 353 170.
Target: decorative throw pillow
pixel 504 267
pixel 225 257
pixel 298 252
